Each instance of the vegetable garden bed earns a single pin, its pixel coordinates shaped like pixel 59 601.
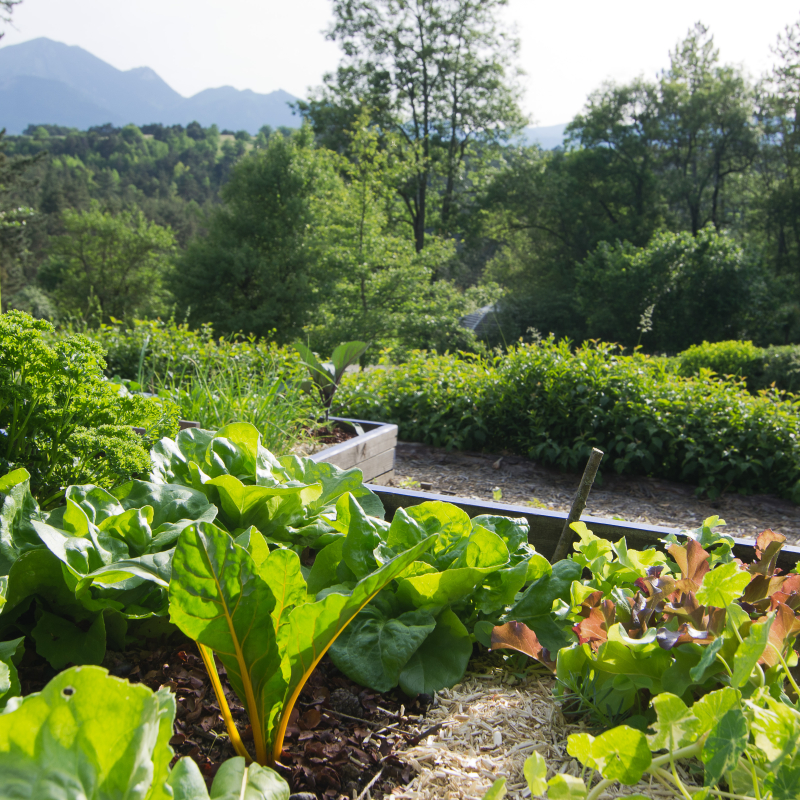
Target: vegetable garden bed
pixel 372 450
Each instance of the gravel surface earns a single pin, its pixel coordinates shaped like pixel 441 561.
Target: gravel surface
pixel 519 481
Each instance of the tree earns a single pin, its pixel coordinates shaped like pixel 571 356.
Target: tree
pixel 384 291
pixel 677 291
pixel 437 77
pixel 257 270
pixel 111 264
pixel 706 130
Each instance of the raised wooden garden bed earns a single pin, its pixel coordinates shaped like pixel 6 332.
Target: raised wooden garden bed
pixel 371 451
pixel 546 526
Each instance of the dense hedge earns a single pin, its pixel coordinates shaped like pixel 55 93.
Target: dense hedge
pixel 761 367
pixel 552 403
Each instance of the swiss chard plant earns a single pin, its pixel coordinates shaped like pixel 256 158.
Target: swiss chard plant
pixel 89 735
pixel 254 609
pixel 684 623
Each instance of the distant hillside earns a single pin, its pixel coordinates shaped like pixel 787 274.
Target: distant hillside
pixel 47 82
pixel 547 137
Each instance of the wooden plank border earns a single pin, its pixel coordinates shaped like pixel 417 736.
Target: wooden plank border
pixel 372 452
pixel 546 525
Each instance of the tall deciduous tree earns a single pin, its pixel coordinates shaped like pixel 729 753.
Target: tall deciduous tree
pixel 439 76
pixel 107 263
pixel 257 270
pixel 707 133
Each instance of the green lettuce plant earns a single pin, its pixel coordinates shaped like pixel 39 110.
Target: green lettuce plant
pixel 685 622
pixel 419 632
pixel 74 577
pixel 289 500
pixel 253 608
pixel 92 736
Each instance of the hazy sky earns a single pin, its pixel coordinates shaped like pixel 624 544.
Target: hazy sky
pixel 568 48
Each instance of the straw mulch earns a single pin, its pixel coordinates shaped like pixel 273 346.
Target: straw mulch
pixel 490 723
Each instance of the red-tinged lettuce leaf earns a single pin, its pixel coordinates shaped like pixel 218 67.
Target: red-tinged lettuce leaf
pixel 691 559
pixel 768 546
pixel 782 634
pixel 518 636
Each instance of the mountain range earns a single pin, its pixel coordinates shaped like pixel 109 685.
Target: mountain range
pixel 47 82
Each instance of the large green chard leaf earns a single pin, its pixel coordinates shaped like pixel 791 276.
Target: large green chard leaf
pixel 91 736
pixel 87 735
pixel 10 654
pixel 261 621
pixel 17 508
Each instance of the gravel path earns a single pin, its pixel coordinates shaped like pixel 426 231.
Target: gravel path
pixel 516 480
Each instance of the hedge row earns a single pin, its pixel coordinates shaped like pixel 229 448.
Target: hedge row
pixel 552 403
pixel 760 367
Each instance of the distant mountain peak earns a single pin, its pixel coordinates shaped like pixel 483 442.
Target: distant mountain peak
pixel 45 81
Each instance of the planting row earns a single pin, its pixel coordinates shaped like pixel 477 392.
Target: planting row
pixel 552 403
pixel 267 563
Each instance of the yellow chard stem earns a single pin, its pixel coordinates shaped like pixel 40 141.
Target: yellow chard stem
pixel 238 745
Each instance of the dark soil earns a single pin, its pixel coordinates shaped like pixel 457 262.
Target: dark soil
pixel 331 434
pixel 340 736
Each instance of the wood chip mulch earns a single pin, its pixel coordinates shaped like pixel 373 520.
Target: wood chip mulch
pixel 490 723
pixel 520 481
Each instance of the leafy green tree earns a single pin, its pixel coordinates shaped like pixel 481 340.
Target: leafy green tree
pixel 438 78
pixel 679 290
pixel 257 270
pixel 108 264
pixel 707 135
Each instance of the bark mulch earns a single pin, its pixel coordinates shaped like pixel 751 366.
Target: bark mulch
pixel 342 740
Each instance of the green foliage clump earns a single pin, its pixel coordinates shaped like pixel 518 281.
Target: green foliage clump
pixel 551 403
pixel 214 381
pixel 108 265
pixel 61 420
pixel 668 294
pixel 761 368
pixel 725 358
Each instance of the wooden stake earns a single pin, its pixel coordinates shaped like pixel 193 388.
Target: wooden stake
pixel 578 504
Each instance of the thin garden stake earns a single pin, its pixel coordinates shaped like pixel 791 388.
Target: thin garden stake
pixel 578 504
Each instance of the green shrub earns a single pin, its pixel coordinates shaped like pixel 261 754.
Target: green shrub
pixel 762 368
pixel 554 404
pixel 61 420
pixel 724 358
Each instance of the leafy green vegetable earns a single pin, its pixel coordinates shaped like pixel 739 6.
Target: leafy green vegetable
pixel 89 735
pixel 419 633
pixel 326 376
pixel 77 574
pixel 10 654
pixel 262 623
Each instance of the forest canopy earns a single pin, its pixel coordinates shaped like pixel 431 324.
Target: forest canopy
pixel 408 199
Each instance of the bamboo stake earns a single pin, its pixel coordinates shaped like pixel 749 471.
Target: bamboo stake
pixel 578 504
